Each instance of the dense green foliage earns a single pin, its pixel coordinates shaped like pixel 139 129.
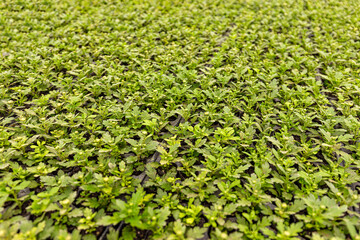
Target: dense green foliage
pixel 179 119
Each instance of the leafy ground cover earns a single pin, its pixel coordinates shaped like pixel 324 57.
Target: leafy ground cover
pixel 179 119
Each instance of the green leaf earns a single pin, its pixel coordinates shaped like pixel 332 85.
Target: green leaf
pixel 23 185
pixel 108 220
pixel 151 146
pixel 132 142
pixel 196 233
pixel 119 205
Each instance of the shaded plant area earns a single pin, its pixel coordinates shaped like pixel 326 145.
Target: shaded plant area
pixel 171 119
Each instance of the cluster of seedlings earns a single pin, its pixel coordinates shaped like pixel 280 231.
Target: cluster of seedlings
pixel 171 119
